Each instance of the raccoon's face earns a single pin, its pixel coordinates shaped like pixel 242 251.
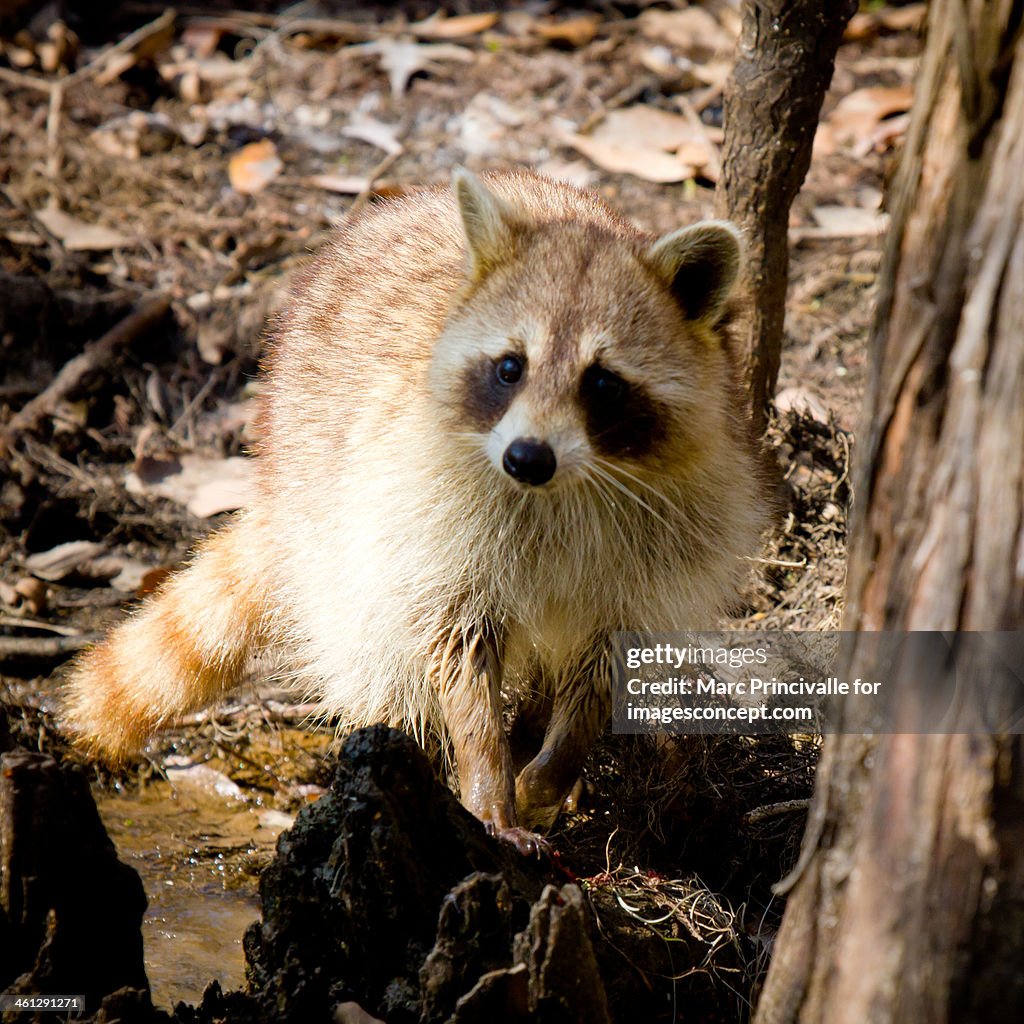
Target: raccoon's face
pixel 577 349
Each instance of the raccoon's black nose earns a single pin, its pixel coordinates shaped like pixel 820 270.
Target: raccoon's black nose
pixel 529 461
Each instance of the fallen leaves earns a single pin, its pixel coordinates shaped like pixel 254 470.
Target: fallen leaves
pixel 574 32
pixel 649 143
pixel 440 26
pixel 844 222
pixel 693 30
pixel 254 167
pixel 89 561
pixel 861 119
pixel 869 23
pixel 375 133
pixel 403 58
pixel 78 236
pixel 62 560
pixel 343 184
pixel 205 486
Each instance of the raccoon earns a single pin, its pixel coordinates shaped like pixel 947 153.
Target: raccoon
pixel 500 423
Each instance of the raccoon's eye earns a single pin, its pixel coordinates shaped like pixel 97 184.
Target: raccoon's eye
pixel 605 388
pixel 509 369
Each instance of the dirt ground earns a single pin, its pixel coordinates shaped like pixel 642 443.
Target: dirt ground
pixel 197 162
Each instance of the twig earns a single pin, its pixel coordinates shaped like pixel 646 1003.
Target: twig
pixel 53 155
pixel 776 561
pixel 364 197
pixel 96 356
pixel 625 95
pixel 292 23
pixel 287 713
pixel 25 81
pixel 15 622
pixel 44 647
pixel 759 814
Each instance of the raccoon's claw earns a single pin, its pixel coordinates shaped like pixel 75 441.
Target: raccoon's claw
pixel 527 843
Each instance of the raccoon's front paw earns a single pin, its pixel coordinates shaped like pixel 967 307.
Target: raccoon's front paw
pixel 527 843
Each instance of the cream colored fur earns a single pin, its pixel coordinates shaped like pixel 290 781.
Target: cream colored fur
pixel 386 544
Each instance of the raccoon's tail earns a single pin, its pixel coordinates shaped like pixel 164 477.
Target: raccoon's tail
pixel 186 646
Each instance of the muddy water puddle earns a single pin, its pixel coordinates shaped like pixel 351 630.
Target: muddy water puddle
pixel 199 853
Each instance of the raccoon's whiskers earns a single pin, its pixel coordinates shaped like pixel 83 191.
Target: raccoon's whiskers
pixel 601 491
pixel 613 468
pixel 620 486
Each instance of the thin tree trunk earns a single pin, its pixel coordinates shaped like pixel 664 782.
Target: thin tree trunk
pixel 784 65
pixel 908 902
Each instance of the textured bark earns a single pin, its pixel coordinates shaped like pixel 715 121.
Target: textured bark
pixel 908 902
pixel 784 65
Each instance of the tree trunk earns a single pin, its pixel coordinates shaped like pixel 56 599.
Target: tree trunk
pixel 908 901
pixel 784 65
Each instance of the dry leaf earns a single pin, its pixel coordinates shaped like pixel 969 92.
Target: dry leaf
pixel 130 574
pixel 857 115
pixel 884 135
pixel 867 24
pixel 648 164
pixel 646 127
pixel 24 237
pixel 575 32
pixel 692 30
pixel 802 400
pixel 903 19
pixel 153 580
pixel 254 167
pixel 844 222
pixel 440 26
pixel 650 143
pixel 401 58
pixel 204 486
pixel 76 235
pixel 63 560
pixel 346 185
pixel 376 133
pixel 849 221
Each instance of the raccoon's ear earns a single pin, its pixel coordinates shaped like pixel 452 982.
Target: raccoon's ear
pixel 487 220
pixel 700 265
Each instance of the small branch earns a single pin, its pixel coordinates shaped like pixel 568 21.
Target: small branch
pixel 44 647
pixel 375 175
pixel 759 814
pixel 96 356
pixel 16 622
